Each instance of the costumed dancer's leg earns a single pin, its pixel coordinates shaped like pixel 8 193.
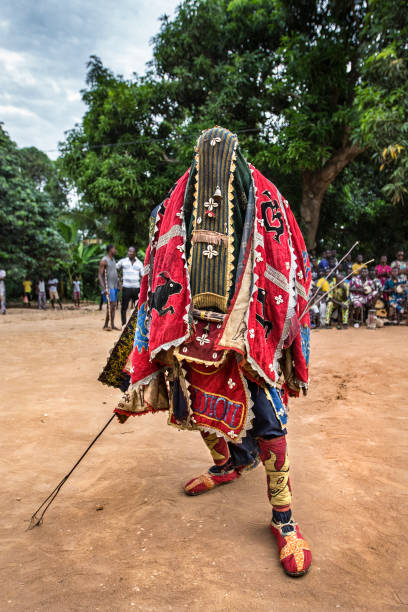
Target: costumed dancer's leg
pixel 245 455
pixel 294 552
pixel 222 472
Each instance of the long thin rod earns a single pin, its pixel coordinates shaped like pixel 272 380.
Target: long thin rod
pixel 107 297
pixel 36 521
pixel 328 276
pixel 309 305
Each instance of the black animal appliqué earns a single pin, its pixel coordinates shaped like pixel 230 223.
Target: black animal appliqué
pixel 267 325
pixel 161 295
pixel 273 219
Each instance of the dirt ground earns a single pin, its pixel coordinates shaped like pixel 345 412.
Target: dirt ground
pixel 153 548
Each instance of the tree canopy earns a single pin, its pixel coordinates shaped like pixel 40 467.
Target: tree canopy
pixel 29 240
pixel 309 86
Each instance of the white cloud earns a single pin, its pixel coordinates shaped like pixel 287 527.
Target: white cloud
pixel 11 61
pixel 45 46
pixel 15 111
pixel 73 96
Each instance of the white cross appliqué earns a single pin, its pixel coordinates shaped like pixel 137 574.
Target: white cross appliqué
pixel 231 383
pixel 210 205
pixel 210 252
pixel 278 299
pixel 203 339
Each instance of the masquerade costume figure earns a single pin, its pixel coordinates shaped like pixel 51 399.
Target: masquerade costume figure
pixel 219 340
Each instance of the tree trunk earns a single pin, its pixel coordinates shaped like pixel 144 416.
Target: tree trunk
pixel 315 184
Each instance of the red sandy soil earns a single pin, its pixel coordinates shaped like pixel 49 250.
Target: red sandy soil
pixel 153 548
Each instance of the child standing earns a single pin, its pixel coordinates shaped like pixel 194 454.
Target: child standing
pixel 42 298
pixel 77 290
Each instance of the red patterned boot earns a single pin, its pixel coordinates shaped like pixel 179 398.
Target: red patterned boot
pixel 294 553
pixel 223 472
pixel 216 476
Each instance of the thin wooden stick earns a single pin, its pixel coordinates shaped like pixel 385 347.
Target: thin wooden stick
pixel 108 306
pixel 36 521
pixel 306 310
pixel 328 276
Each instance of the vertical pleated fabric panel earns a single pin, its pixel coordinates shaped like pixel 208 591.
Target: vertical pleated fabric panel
pixel 211 277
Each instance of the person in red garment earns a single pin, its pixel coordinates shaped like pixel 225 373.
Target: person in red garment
pixel 220 340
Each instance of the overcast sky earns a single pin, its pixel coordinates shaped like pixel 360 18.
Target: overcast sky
pixel 44 48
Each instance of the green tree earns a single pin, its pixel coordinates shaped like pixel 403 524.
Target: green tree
pixel 355 208
pixel 29 240
pixel 83 256
pixel 307 85
pixel 44 173
pixel 321 81
pixel 124 181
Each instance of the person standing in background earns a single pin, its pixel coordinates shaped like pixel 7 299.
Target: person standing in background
pixel 323 263
pixel 77 290
pixel 132 271
pixel 382 270
pixel 42 298
pixel 53 291
pixel 28 287
pixel 109 283
pixel 3 291
pixel 358 265
pixel 400 263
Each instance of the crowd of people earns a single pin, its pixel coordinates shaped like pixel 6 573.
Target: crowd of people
pixel 351 293
pixel 116 279
pixel 41 287
pixel 28 292
pixel 343 293
pixel 131 269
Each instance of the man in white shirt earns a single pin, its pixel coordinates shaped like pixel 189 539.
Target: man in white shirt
pixel 132 271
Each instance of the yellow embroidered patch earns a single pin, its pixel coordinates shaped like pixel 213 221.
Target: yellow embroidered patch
pixel 295 546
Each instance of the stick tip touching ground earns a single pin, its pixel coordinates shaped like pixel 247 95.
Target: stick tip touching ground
pixel 35 522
